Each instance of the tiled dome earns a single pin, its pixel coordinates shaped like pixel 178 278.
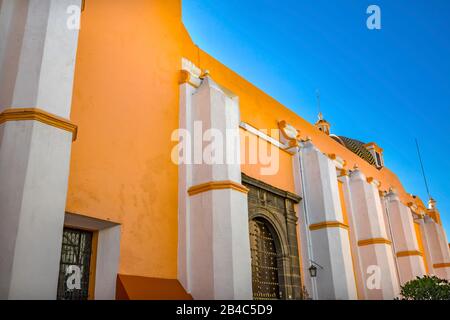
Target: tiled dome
pixel 357 147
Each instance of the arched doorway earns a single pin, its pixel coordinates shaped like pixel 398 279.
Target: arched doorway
pixel 265 283
pixel 273 241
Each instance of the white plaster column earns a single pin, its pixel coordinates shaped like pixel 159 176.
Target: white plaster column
pixel 357 265
pixel 304 241
pixel 428 261
pixel 37 60
pixel 374 247
pixel 328 235
pixel 187 88
pixel 438 246
pixel 217 259
pixel 406 247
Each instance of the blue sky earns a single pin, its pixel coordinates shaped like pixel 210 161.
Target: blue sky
pixel 389 86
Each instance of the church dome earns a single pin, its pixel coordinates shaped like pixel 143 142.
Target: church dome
pixel 357 147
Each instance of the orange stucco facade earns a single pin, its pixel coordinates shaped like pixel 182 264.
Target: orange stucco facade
pixel 125 103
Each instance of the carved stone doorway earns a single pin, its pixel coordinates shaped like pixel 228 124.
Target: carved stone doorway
pixel 273 241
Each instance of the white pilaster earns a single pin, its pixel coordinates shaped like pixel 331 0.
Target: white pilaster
pixel 216 260
pixel 37 55
pixel 37 59
pixel 438 246
pixel 184 182
pixel 330 245
pixel 359 272
pixel 376 254
pixel 304 240
pixel 406 247
pixel 426 244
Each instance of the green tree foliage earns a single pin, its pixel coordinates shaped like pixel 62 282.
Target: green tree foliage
pixel 426 288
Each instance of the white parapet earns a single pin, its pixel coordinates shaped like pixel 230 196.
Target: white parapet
pixel 374 247
pixel 328 234
pixel 37 60
pixel 406 247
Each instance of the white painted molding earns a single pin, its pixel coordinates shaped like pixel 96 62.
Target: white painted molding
pixel 339 162
pixel 193 71
pixel 266 137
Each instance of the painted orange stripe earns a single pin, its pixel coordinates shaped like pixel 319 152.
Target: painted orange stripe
pixel 441 265
pixel 217 185
pixel 23 114
pixel 409 253
pixel 367 242
pixel 328 224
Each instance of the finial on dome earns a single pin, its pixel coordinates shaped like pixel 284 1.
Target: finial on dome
pixel 321 123
pixel 431 203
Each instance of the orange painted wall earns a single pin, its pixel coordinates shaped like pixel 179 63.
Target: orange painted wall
pixel 279 159
pixel 125 103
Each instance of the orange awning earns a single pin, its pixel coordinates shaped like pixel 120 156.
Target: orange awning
pixel 144 288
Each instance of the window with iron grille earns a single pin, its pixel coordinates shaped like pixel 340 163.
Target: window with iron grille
pixel 75 256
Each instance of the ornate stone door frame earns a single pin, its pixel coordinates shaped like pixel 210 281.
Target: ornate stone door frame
pixel 276 208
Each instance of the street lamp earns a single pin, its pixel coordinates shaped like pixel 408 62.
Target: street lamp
pixel 313 269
